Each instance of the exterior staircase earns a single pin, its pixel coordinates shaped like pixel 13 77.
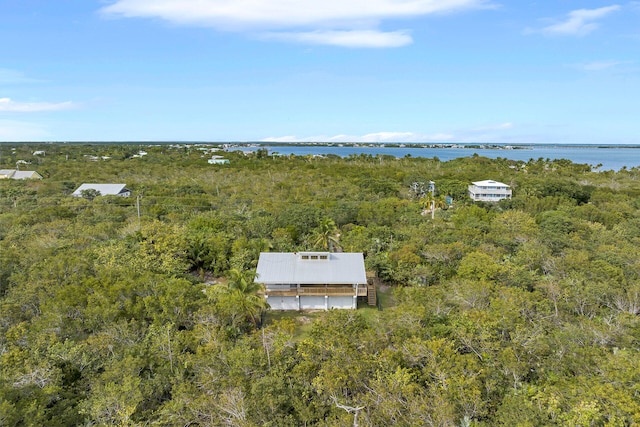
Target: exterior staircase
pixel 371 293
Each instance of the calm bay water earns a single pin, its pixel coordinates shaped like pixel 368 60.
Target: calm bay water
pixel 610 157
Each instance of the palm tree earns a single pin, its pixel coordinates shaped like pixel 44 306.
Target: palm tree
pixel 327 236
pixel 439 202
pixel 242 281
pixel 244 290
pixel 430 203
pixel 257 246
pixel 198 255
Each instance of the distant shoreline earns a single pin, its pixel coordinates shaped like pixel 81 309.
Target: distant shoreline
pixel 452 145
pixel 599 156
pixel 461 145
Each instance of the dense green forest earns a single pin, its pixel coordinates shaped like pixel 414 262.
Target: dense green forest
pixel 143 311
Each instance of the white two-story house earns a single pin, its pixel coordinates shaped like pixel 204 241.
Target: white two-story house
pixel 489 191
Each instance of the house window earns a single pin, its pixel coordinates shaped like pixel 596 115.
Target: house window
pixel 314 256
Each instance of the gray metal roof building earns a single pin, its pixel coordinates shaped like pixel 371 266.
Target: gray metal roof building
pixel 104 189
pixel 311 268
pixel 17 174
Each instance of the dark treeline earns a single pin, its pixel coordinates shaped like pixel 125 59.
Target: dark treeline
pixel 143 310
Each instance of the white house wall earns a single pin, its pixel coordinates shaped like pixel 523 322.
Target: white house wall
pixel 341 302
pixel 283 303
pixel 308 302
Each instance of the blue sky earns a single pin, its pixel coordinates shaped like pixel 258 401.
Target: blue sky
pixel 557 71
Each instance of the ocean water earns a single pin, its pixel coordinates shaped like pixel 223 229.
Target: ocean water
pixel 610 157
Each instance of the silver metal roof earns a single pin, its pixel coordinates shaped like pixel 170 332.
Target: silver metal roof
pixel 489 182
pixel 26 175
pixel 290 268
pixel 17 174
pixel 104 189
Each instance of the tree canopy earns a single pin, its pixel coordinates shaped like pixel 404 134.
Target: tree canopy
pixel 146 310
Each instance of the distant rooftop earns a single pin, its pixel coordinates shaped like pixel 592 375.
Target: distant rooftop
pixel 18 174
pixel 104 189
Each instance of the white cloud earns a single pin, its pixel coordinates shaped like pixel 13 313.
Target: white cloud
pixel 7 105
pixel 282 13
pixel 11 130
pixel 352 38
pixel 501 132
pixel 351 23
pixel 579 22
pixel 404 137
pixel 288 138
pixel 378 137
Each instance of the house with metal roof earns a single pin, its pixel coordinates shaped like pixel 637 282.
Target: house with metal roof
pixel 104 190
pixel 313 280
pixel 18 174
pixel 489 191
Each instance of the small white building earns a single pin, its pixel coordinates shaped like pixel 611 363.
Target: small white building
pixel 312 280
pixel 218 160
pixel 489 191
pixel 104 190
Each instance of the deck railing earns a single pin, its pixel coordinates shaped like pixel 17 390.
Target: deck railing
pixel 319 290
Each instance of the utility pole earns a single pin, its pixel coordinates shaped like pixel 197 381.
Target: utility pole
pixel 432 189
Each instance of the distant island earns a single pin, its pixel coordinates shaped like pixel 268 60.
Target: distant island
pixel 477 146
